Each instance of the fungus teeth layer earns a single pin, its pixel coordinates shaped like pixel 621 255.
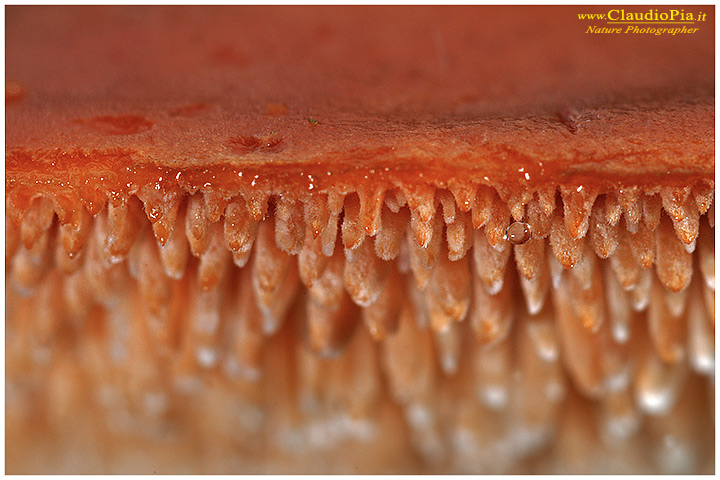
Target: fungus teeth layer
pixel 311 322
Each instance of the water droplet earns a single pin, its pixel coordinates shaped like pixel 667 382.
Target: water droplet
pixel 518 233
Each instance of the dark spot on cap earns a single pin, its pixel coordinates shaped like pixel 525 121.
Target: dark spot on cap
pixel 191 110
pixel 324 32
pixel 274 108
pixel 14 92
pixel 569 117
pixel 118 124
pixel 254 143
pixel 229 55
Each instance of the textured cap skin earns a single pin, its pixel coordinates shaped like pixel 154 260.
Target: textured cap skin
pixel 479 91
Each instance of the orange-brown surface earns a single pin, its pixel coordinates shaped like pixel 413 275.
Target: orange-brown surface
pixel 357 239
pixel 482 91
